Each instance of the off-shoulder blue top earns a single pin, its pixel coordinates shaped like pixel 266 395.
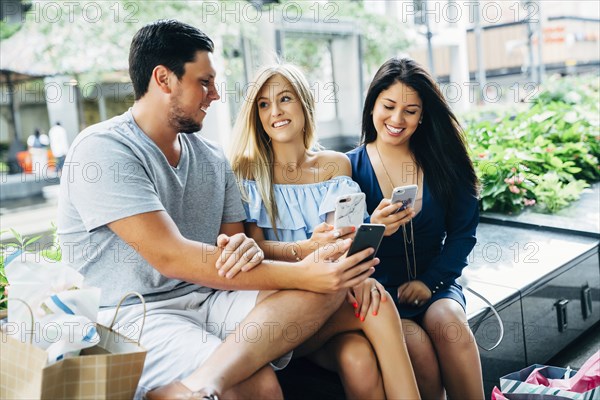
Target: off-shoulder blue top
pixel 300 207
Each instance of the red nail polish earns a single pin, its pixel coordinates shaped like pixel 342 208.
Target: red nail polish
pixel 355 305
pixel 362 319
pixel 375 313
pixel 356 314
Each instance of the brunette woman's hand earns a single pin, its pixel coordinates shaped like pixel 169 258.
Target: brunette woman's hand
pixel 387 214
pixel 414 293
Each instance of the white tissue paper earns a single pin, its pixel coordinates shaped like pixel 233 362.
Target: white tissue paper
pixel 64 310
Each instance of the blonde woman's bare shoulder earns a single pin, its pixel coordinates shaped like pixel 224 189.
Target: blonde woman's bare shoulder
pixel 333 163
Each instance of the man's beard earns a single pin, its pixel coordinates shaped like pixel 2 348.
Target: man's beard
pixel 180 121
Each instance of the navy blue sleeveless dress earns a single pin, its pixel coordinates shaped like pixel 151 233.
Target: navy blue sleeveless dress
pixel 443 240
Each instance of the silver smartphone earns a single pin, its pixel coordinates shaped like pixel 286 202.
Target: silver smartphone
pixel 367 235
pixel 350 210
pixel 405 194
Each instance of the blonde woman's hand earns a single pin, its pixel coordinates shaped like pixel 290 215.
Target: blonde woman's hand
pixel 387 214
pixel 369 293
pixel 325 233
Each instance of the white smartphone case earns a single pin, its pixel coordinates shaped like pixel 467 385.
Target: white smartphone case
pixel 350 210
pixel 405 194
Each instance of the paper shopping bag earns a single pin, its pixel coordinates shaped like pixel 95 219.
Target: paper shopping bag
pixel 515 384
pixel 109 370
pixel 61 304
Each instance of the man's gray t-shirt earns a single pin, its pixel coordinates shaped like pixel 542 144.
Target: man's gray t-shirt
pixel 113 170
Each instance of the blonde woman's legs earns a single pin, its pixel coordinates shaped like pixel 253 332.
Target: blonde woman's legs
pixel 384 331
pixel 352 357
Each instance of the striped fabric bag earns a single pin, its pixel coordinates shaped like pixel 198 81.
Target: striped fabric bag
pixel 538 382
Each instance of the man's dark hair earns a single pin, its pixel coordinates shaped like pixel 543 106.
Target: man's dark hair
pixel 165 42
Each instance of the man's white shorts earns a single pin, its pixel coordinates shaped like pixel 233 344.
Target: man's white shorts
pixel 181 333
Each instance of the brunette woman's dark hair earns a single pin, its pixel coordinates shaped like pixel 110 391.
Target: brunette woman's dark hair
pixel 438 144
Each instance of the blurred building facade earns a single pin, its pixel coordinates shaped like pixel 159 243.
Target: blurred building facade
pixel 467 45
pixel 515 36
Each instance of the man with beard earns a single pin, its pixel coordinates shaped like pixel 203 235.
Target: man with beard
pixel 148 205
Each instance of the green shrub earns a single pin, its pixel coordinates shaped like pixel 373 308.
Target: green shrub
pixel 544 155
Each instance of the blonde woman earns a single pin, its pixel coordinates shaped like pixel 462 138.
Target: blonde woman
pixel 290 192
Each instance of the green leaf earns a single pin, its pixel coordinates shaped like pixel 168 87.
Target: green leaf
pixel 52 254
pixel 32 240
pixel 556 162
pixel 17 236
pixel 487 202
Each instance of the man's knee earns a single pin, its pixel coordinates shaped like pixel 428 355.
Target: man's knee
pixel 269 387
pixel 321 300
pixel 262 385
pixel 326 303
pixel 332 301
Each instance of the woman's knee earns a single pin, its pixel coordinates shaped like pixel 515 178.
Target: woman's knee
pixel 446 323
pixel 357 361
pixel 387 305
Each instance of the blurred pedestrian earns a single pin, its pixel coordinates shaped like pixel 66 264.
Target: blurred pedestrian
pixel 37 144
pixel 38 140
pixel 59 145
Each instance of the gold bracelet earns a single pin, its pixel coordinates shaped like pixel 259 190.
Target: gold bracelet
pixel 295 254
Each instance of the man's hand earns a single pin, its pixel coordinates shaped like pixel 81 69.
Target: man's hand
pixel 328 270
pixel 239 253
pixel 386 214
pixel 414 293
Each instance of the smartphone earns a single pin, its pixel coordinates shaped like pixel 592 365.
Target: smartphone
pixel 350 210
pixel 367 235
pixel 405 194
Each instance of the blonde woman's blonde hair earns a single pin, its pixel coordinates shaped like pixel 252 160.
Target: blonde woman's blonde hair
pixel 251 154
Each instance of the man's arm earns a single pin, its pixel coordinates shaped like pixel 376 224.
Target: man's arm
pixel 157 239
